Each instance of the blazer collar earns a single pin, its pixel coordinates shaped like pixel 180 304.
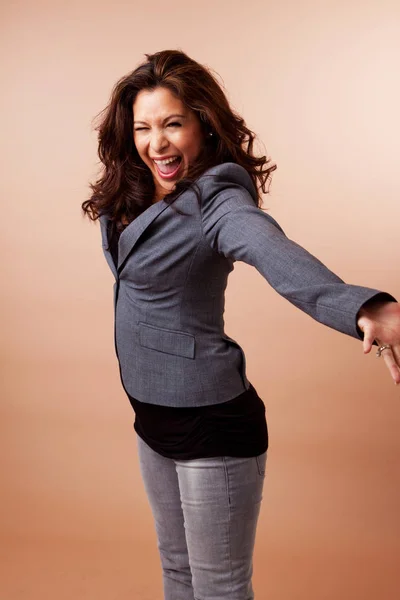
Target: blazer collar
pixel 215 179
pixel 130 234
pixel 104 242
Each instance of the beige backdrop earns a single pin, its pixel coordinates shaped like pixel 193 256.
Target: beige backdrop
pixel 319 82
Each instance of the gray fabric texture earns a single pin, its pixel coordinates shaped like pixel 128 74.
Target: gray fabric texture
pixel 170 283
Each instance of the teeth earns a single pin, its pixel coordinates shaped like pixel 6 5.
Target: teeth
pixel 166 161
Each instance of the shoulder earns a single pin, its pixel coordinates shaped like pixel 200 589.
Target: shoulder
pixel 227 191
pixel 226 180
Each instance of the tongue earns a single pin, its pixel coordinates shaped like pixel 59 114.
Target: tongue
pixel 169 168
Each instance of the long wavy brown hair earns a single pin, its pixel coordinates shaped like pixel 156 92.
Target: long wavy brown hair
pixel 126 187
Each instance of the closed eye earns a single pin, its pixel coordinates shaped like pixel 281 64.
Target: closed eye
pixel 173 124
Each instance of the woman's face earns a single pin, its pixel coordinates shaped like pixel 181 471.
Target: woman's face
pixel 164 128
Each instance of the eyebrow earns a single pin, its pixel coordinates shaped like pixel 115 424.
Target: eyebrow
pixel 166 118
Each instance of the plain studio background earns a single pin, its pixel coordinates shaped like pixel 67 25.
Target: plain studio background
pixel 318 81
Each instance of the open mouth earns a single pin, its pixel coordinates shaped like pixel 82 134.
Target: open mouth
pixel 170 169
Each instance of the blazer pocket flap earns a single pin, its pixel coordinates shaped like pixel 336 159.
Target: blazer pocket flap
pixel 167 340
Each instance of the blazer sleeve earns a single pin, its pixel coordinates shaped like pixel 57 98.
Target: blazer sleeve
pixel 237 229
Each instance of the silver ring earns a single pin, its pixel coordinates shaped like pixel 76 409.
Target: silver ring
pixel 381 349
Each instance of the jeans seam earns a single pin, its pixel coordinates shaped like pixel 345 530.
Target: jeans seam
pixel 229 519
pixel 260 468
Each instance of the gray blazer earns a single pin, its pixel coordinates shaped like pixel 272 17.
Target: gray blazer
pixel 170 282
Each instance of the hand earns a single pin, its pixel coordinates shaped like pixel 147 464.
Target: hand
pixel 380 321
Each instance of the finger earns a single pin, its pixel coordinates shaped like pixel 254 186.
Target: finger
pixel 391 364
pixel 368 340
pixel 396 354
pixel 396 357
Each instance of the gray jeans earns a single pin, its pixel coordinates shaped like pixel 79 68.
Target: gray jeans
pixel 205 513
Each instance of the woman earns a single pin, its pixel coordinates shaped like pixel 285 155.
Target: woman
pixel 179 202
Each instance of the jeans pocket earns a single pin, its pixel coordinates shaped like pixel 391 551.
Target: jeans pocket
pixel 261 461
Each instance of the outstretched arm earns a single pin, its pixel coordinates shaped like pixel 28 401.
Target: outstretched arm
pixel 239 230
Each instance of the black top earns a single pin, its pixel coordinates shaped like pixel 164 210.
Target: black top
pixel 234 428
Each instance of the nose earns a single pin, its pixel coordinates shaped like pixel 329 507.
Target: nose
pixel 158 141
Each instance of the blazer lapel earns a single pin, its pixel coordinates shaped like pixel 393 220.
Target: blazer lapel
pixel 130 234
pixel 104 242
